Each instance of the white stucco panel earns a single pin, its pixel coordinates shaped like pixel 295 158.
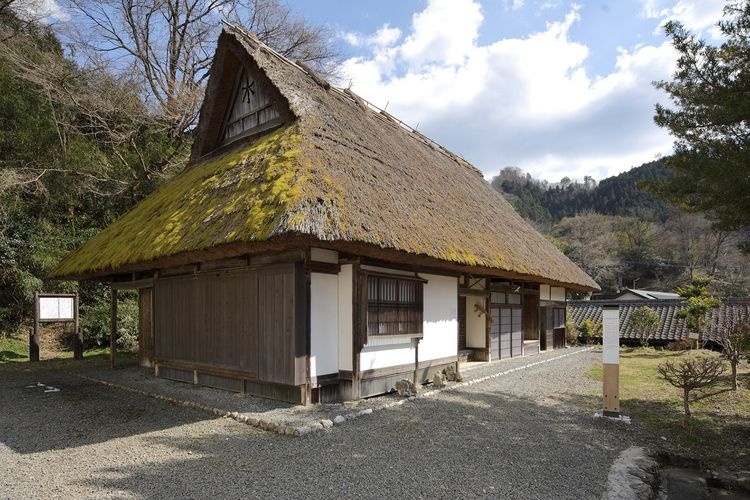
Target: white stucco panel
pixel 324 255
pixel 324 324
pixel 476 322
pixel 383 356
pixel 440 317
pixel 557 293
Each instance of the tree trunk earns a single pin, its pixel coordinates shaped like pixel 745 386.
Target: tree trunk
pixel 734 375
pixel 686 402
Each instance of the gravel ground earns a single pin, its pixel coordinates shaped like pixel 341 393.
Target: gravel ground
pixel 280 413
pixel 528 434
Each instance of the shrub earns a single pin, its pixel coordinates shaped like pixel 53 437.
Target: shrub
pixel 571 332
pixel 734 339
pixel 588 330
pixel 692 372
pixel 678 346
pixel 644 322
pixel 95 320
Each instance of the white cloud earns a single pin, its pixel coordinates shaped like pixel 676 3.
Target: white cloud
pixel 513 4
pixel 699 16
pixel 383 37
pixel 49 10
pixel 527 102
pixel 550 4
pixel 443 33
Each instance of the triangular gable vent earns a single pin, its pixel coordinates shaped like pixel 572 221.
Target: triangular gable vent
pixel 252 108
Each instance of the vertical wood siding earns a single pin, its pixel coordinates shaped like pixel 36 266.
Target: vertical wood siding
pixel 145 327
pixel 239 319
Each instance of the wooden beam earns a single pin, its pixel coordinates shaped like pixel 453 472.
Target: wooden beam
pixel 356 329
pixel 34 337
pixel 134 284
pixel 77 334
pixel 374 254
pixel 113 329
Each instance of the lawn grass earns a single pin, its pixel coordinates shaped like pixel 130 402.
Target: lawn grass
pixel 15 350
pixel 719 429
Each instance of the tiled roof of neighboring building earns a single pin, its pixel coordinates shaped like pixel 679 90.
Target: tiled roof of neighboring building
pixel 671 327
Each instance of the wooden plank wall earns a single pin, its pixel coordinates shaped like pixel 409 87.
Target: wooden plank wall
pixel 145 327
pixel 276 325
pixel 235 319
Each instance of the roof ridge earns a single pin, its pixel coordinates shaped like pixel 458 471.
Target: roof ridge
pixel 352 96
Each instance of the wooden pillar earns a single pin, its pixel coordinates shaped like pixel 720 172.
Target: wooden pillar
pixel 487 322
pixel 611 360
pixel 34 334
pixel 359 284
pixel 113 329
pixel 78 336
pixel 416 360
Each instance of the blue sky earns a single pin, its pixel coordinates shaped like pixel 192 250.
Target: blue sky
pixel 553 87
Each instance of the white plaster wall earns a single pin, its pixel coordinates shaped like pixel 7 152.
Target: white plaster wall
pixel 324 255
pixel 324 324
pixel 345 318
pixel 440 317
pixel 544 292
pixel 381 353
pixel 557 293
pixel 440 338
pixel 476 324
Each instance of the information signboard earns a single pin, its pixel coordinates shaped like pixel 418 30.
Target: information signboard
pixel 56 308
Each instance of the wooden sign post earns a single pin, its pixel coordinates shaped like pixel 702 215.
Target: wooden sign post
pixel 55 308
pixel 611 360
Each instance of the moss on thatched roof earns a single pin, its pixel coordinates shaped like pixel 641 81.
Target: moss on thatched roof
pixel 341 172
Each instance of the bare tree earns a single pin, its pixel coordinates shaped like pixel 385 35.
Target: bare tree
pixel 170 43
pixel 690 373
pixel 141 65
pixel 734 338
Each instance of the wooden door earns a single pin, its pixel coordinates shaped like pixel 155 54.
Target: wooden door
pixel 516 341
pixel 495 333
pixel 507 328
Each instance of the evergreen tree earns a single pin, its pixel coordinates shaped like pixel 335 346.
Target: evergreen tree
pixel 711 104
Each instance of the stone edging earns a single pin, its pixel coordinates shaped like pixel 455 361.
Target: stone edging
pixel 324 424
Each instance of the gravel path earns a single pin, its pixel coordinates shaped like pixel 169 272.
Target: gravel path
pixel 529 434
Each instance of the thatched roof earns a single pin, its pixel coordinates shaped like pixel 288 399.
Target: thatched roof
pixel 671 328
pixel 339 174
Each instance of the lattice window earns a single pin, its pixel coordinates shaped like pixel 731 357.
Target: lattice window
pixel 252 107
pixel 394 306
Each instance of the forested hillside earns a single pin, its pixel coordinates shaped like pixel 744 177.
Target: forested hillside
pixel 544 203
pixel 623 236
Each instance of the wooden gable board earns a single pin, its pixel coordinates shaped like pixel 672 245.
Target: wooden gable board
pixel 227 114
pixel 253 106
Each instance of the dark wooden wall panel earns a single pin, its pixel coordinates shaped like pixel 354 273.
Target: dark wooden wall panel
pixel 145 327
pixel 240 319
pixel 461 323
pixel 276 325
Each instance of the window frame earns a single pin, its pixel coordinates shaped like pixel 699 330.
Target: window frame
pixel 409 314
